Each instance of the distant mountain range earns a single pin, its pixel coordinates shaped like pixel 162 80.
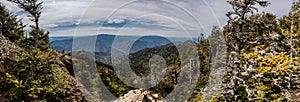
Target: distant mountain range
pixel 104 43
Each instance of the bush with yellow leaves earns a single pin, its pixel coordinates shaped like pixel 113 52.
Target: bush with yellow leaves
pixel 268 75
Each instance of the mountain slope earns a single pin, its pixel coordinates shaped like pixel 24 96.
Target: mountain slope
pixel 35 75
pixel 139 63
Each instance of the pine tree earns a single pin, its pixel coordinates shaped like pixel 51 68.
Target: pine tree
pixel 38 37
pixel 239 33
pixel 237 30
pixel 289 26
pixel 10 26
pixel 260 65
pixel 33 7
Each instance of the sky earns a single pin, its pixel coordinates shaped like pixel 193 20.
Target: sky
pixel 174 18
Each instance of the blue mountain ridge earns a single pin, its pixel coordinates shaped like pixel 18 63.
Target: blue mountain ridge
pixel 104 42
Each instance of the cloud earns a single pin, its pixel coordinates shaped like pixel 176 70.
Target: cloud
pixel 167 17
pixel 115 20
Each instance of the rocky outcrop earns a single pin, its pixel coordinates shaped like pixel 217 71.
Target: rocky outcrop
pixel 67 63
pixel 74 90
pixel 295 96
pixel 7 48
pixel 140 95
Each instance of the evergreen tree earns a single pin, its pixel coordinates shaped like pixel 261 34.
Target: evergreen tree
pixel 33 7
pixel 260 66
pixel 10 26
pixel 237 31
pixel 238 35
pixel 38 37
pixel 289 26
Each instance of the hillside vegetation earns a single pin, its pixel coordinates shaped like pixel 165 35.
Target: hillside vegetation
pixel 32 72
pixel 256 53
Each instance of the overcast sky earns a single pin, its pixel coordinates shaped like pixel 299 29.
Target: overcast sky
pixel 136 17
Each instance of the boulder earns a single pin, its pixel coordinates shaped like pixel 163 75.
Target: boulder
pixel 140 95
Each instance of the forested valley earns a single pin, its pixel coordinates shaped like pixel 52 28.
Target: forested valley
pixel 257 54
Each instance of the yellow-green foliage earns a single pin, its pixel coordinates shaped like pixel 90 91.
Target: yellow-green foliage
pixel 32 76
pixel 279 63
pixel 272 78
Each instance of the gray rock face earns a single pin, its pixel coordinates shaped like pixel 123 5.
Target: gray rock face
pixel 140 95
pixel 7 48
